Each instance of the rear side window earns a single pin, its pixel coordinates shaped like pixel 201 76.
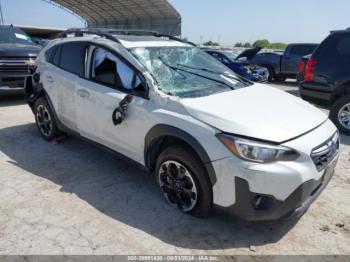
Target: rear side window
pixel 72 57
pixel 302 50
pixel 56 55
pixel 337 46
pixel 49 53
pixel 342 46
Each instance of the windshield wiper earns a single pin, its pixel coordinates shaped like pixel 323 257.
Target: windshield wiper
pixel 237 78
pixel 192 73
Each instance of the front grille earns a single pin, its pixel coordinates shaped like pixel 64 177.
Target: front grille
pixel 325 153
pixel 14 64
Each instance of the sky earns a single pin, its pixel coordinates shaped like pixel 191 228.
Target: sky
pixel 224 21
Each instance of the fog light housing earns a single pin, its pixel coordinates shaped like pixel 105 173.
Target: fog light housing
pixel 260 202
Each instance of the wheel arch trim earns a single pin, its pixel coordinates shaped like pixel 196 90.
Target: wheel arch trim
pixel 160 131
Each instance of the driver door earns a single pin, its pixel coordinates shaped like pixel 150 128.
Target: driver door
pixel 108 82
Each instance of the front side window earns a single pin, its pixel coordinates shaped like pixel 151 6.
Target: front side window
pixel 186 71
pixel 108 69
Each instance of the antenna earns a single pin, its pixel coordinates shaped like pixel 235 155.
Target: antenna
pixel 1 15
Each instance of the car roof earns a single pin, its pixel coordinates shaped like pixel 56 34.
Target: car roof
pixel 125 37
pixel 132 41
pixel 128 41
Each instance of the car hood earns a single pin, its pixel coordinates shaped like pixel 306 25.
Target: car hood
pixel 258 111
pixel 249 53
pixel 18 50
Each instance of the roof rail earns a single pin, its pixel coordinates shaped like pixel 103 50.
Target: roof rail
pixel 110 33
pixel 339 31
pixel 77 32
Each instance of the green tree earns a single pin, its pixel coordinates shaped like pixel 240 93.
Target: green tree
pixel 211 43
pixel 262 43
pixel 247 45
pixel 278 46
pixel 239 44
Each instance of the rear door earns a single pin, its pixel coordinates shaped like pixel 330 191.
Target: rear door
pixel 109 80
pixel 293 55
pixel 69 66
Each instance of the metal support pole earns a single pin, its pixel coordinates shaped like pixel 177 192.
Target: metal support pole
pixel 1 15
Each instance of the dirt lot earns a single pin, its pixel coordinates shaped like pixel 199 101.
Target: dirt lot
pixel 74 198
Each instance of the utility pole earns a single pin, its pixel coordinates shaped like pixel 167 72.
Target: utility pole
pixel 1 15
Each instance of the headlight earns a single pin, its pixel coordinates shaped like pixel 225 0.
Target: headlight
pixel 255 151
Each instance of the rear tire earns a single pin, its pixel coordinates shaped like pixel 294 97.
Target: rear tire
pixel 340 114
pixel 280 78
pixel 45 120
pixel 183 181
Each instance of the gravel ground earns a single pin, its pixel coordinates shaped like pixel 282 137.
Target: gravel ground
pixel 74 198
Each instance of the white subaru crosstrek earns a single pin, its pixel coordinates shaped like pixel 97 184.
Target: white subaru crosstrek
pixel 212 138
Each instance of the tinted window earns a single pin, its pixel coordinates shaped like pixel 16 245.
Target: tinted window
pixel 108 69
pixel 339 46
pixel 72 58
pixel 49 53
pixel 56 55
pixel 343 47
pixel 302 50
pixel 336 46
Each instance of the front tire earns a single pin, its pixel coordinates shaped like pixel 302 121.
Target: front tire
pixel 271 74
pixel 340 114
pixel 183 181
pixel 45 120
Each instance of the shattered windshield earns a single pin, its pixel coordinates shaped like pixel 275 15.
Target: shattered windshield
pixel 186 70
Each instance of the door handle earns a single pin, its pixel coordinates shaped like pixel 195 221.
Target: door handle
pixel 83 93
pixel 50 79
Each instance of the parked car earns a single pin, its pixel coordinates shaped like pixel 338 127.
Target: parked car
pixel 17 52
pixel 239 63
pixel 284 65
pixel 210 138
pixel 327 78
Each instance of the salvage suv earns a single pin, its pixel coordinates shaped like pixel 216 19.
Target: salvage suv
pixel 210 137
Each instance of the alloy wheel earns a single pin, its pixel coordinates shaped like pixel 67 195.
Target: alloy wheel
pixel 44 120
pixel 344 116
pixel 177 185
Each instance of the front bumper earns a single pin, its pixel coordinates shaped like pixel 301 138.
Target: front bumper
pixel 270 208
pixel 12 83
pixel 314 94
pixel 284 186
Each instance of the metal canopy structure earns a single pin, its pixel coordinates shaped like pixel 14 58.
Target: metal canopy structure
pixel 156 15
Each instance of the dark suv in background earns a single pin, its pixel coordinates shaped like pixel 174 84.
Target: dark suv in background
pixel 17 53
pixel 326 78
